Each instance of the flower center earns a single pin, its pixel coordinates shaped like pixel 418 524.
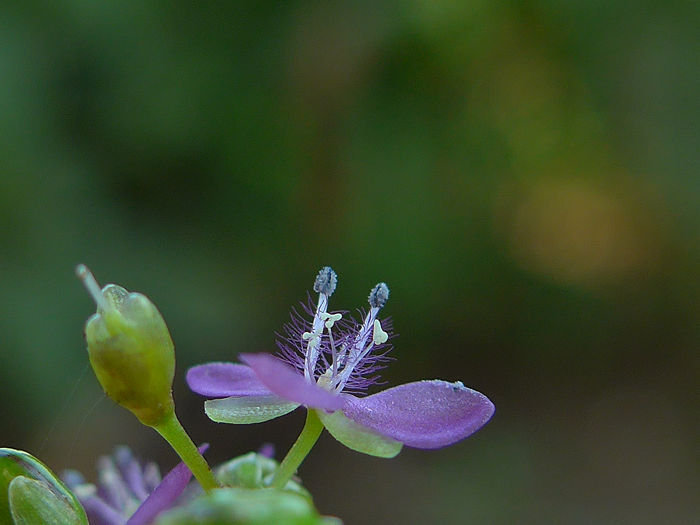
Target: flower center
pixel 341 353
pixel 325 380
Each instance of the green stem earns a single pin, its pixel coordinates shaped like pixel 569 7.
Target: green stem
pixel 306 440
pixel 173 433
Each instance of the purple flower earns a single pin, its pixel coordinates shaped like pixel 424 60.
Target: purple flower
pixel 327 363
pixel 128 493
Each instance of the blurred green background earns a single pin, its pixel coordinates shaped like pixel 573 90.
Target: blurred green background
pixel 523 174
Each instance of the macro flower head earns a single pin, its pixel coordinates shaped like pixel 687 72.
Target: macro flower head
pixel 333 350
pixel 326 362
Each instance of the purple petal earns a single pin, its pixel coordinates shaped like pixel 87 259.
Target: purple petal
pixel 165 495
pixel 423 414
pixel 289 384
pixel 224 380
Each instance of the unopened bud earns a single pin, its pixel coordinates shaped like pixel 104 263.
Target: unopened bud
pixel 130 350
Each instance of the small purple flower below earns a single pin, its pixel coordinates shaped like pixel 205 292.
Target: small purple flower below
pixel 325 364
pixel 128 493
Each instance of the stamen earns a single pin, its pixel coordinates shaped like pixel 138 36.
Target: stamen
pixel 341 358
pixel 325 284
pixel 358 350
pixel 378 297
pixel 85 275
pixel 379 336
pixel 334 354
pixel 314 337
pixel 326 281
pixel 331 319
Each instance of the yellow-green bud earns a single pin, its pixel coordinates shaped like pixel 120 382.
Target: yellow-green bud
pixel 130 350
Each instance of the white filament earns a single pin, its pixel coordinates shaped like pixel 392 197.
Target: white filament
pixel 314 337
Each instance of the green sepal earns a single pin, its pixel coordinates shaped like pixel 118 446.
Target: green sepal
pixel 357 437
pixel 249 409
pixel 239 506
pixel 38 494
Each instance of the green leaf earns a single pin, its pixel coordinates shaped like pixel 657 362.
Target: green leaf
pixel 16 463
pixel 243 410
pixel 357 437
pixel 238 506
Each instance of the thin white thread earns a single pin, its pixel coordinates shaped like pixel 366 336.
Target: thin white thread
pixel 64 406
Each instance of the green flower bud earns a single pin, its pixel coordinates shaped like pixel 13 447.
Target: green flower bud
pixel 130 350
pixel 30 494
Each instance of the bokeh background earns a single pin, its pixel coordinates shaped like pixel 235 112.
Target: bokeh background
pixel 523 174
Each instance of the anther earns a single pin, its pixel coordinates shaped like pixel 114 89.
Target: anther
pixel 379 336
pixel 326 281
pixel 379 295
pixel 308 335
pixel 331 319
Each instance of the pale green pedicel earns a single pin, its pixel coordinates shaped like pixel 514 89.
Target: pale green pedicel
pixel 301 448
pixel 175 435
pixel 349 433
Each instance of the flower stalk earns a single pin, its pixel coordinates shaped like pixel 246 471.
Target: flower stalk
pixel 301 448
pixel 173 432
